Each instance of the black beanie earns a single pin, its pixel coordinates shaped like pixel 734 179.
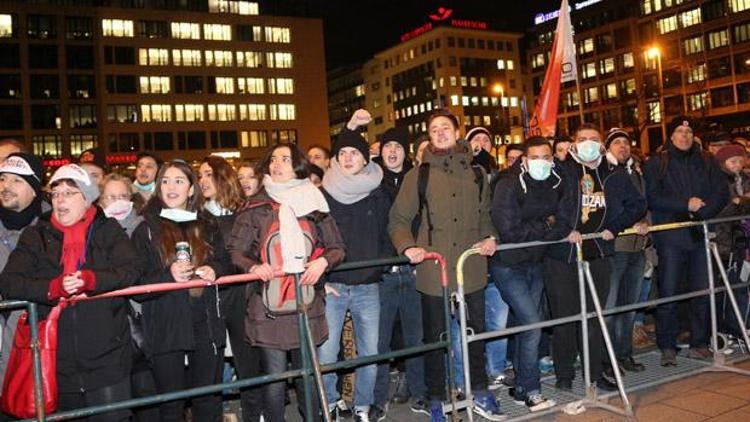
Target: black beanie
pixel 395 134
pixel 27 166
pixel 615 133
pixel 348 138
pixel 677 122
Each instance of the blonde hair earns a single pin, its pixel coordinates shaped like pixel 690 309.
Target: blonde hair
pixel 138 201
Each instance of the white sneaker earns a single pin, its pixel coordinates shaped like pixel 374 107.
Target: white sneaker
pixel 537 402
pixel 361 415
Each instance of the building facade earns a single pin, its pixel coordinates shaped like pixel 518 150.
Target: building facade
pixel 183 80
pixel 642 62
pixel 472 71
pixel 346 94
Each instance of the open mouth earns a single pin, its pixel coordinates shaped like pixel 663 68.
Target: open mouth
pixel 172 195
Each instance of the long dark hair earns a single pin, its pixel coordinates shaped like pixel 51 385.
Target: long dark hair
pixel 193 232
pixel 300 164
pixel 229 192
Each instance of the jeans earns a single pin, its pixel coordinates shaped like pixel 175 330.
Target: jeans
pixel 364 303
pixel 399 296
pixel 274 361
pixel 682 268
pixel 561 282
pixel 522 287
pixel 624 289
pixel 433 320
pixel 495 318
pixel 646 283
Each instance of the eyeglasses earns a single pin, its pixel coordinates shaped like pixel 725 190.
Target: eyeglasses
pixel 65 194
pixel 124 197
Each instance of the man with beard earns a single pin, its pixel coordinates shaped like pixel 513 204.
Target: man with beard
pixel 146 167
pixel 21 198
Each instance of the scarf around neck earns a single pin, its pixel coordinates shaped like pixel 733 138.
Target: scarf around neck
pixel 13 220
pixel 349 189
pixel 73 254
pixel 297 198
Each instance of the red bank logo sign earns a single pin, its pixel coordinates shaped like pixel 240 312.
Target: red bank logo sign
pixel 443 17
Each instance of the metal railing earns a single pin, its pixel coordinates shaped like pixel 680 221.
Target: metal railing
pixel 586 284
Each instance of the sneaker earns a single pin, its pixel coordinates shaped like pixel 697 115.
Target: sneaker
pixel 605 385
pixel 496 382
pixel 333 412
pixel 419 405
pixel 436 411
pixel 377 413
pixel 546 365
pixel 701 353
pixel 344 412
pixel 361 415
pixel 631 365
pixel 537 402
pixel 668 357
pixel 510 377
pixel 486 406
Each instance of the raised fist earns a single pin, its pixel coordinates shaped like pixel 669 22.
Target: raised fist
pixel 360 117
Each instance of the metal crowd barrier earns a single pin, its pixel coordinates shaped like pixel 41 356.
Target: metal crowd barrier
pixel 586 283
pixel 311 369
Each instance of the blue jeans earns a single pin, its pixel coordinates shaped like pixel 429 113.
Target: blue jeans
pixel 399 296
pixel 522 287
pixel 682 268
pixel 624 289
pixel 640 316
pixel 495 318
pixel 364 303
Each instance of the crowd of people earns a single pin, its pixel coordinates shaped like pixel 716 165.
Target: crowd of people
pixel 89 230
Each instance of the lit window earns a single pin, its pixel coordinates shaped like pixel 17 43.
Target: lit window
pixel 693 45
pixel 697 73
pixel 283 111
pixel 504 101
pixel 117 28
pixel 514 101
pixel 187 57
pixel 591 95
pixel 571 99
pixel 219 58
pixel 588 70
pixel 718 39
pixel 122 113
pixel 509 64
pixel 153 56
pixel 690 17
pixel 221 112
pixel 277 34
pixel 188 112
pixel 607 66
pixel 249 59
pixel 253 139
pixel 156 113
pixel 501 64
pixel 217 32
pixel 698 101
pixel 739 5
pixel 281 86
pixel 654 112
pixel 494 101
pixel 279 60
pixel 464 100
pixel 252 112
pixel 463 81
pixel 453 81
pixel 6 26
pixel 250 86
pixel 186 30
pixel 224 85
pixel 537 61
pixel 473 81
pixel 627 60
pixel 610 91
pixel 586 46
pixel 454 100
pixel 154 84
pixel 233 6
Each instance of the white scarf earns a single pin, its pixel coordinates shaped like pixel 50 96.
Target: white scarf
pixel 216 209
pixel 298 198
pixel 349 189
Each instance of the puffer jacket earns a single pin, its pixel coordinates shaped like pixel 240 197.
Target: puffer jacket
pixel 93 337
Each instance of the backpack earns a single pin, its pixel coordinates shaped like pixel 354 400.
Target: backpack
pixel 422 178
pixel 278 294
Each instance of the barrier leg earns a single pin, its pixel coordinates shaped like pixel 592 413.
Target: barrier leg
pixel 587 386
pixel 607 340
pixel 305 353
pixel 37 358
pixel 465 351
pixel 451 374
pixel 718 357
pixel 316 368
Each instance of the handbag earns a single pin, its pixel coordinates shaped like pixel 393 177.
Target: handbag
pixel 18 387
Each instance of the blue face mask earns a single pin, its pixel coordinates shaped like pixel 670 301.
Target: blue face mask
pixel 589 151
pixel 146 188
pixel 539 169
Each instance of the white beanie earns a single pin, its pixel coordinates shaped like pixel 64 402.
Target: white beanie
pixel 83 181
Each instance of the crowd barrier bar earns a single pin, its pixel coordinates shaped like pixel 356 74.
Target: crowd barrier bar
pixel 586 283
pixel 310 370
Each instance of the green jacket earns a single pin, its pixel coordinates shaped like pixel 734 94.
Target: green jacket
pixel 460 219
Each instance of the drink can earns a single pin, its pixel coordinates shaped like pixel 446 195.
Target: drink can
pixel 182 251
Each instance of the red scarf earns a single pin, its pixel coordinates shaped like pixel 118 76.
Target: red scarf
pixel 74 241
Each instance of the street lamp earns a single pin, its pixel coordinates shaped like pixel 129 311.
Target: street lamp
pixel 654 52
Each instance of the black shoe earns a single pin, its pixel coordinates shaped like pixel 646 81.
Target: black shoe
pixel 565 384
pixel 606 385
pixel 668 357
pixel 610 372
pixel 377 413
pixel 631 365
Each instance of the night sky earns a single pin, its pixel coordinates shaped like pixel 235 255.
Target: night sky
pixel 357 29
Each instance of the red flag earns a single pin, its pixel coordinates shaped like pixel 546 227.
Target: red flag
pixel 562 68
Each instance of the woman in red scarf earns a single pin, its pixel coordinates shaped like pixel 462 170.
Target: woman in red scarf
pixel 77 250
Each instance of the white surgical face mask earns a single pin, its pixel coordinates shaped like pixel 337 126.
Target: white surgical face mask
pixel 119 210
pixel 589 151
pixel 145 188
pixel 178 215
pixel 215 209
pixel 539 169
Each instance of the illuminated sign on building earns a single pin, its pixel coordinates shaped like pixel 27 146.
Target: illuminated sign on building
pixel 540 18
pixel 442 14
pixel 442 17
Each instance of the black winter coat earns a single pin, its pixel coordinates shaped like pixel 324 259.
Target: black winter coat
pixel 364 227
pixel 670 186
pixel 168 317
pixel 521 211
pixel 93 348
pixel 392 181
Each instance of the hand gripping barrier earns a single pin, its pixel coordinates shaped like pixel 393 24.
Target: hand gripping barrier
pixel 311 368
pixel 586 283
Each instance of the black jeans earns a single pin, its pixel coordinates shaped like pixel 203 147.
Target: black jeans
pixel 105 395
pixel 561 282
pixel 274 361
pixel 246 357
pixel 433 320
pixel 204 368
